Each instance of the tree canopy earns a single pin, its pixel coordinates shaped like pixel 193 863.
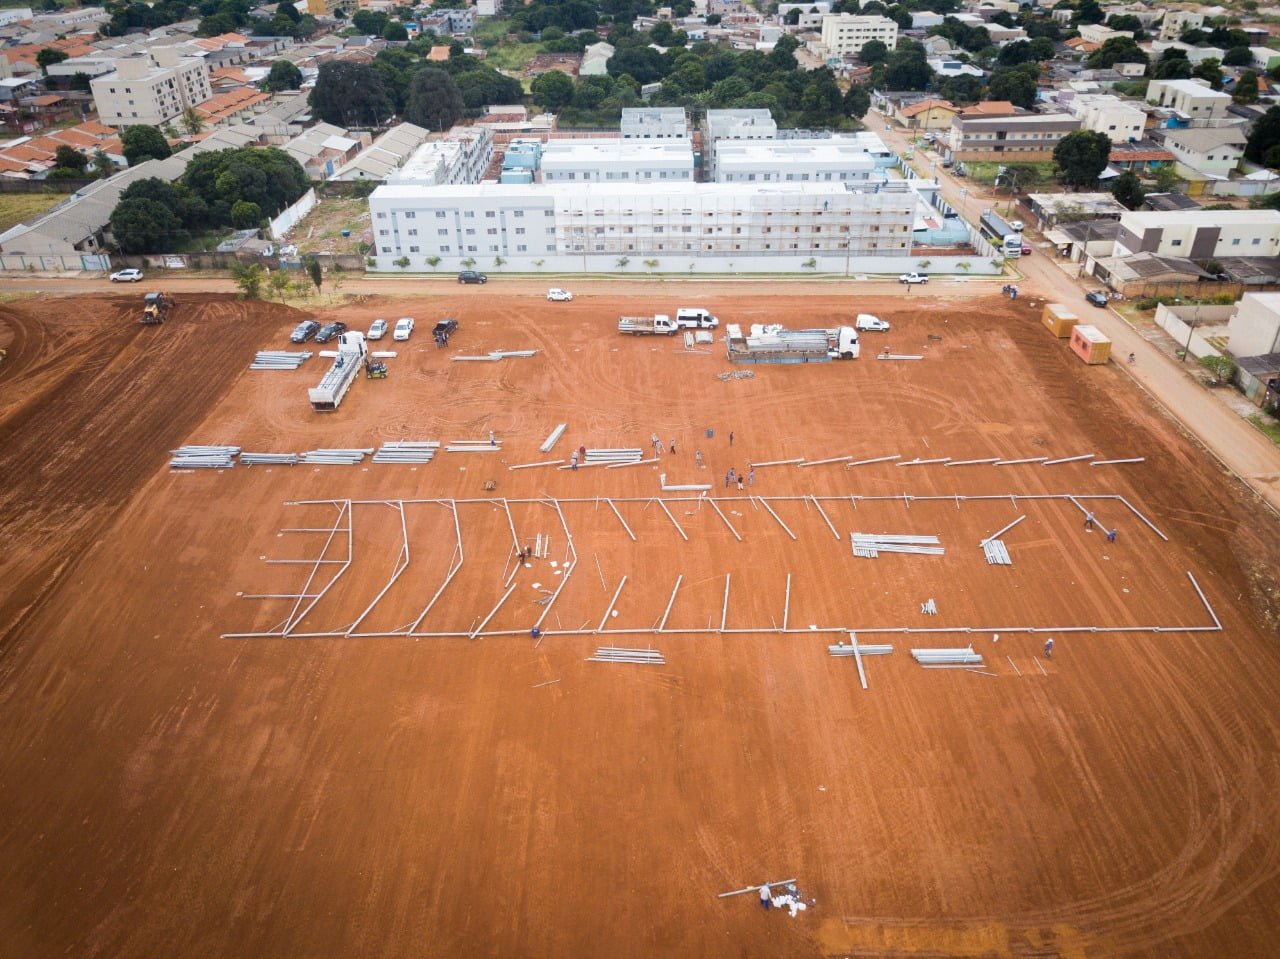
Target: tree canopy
pixel 144 143
pixel 350 95
pixel 283 76
pixel 1081 156
pixel 433 101
pixel 1264 137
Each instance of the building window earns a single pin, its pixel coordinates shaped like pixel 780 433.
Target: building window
pixel 444 232
pixel 382 216
pixel 409 215
pixel 471 232
pixel 386 249
pixel 518 213
pixel 492 231
pixel 521 248
pixel 413 232
pixel 440 214
pixel 413 249
pixel 384 233
pixel 490 214
pixel 1177 243
pixel 444 249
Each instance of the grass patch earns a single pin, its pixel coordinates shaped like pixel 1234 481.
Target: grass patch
pixel 1038 173
pixel 17 208
pixel 511 56
pixel 1267 426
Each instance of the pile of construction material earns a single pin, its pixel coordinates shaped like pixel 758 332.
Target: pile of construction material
pixel 846 649
pixel 947 658
pixel 604 457
pixel 871 545
pixel 552 438
pixel 278 360
pixel 736 375
pixel 472 446
pixel 407 451
pixel 335 457
pixel 204 457
pixel 617 654
pixel 493 356
pixel 269 459
pixel 996 552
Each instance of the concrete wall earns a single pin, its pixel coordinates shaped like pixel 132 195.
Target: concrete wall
pixel 553 264
pixel 16 263
pixel 1181 322
pixel 1255 328
pixel 287 220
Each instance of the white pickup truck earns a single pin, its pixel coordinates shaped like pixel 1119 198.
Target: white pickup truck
pixel 911 278
pixel 641 325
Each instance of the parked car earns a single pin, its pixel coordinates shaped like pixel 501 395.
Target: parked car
pixel 377 329
pixel 127 276
pixel 559 295
pixel 870 323
pixel 444 328
pixel 471 276
pixel 912 278
pixel 1026 249
pixel 304 331
pixel 404 327
pixel 1097 298
pixel 330 331
pixel 1016 225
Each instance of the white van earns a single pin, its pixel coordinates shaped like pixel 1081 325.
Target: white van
pixel 694 317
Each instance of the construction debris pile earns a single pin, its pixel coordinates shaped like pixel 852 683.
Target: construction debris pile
pixel 871 545
pixel 736 375
pixel 278 360
pixel 407 451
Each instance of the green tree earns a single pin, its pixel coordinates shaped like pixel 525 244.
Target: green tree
pixel 1087 11
pixel 1246 90
pixel 1237 57
pixel 1012 84
pixel 249 278
pixel 1042 49
pixel 1127 189
pixel 1209 69
pixel 48 56
pixel 961 90
pixel 1172 65
pixel 81 82
pixel 1081 156
pixel 144 143
pixel 1263 137
pixel 369 23
pixel 552 91
pixel 279 283
pixel 1011 54
pixel 283 76
pixel 192 121
pixel 350 95
pixel 434 100
pixel 313 271
pixel 69 158
pixel 1127 21
pixel 873 52
pixel 857 101
pixel 395 33
pixel 1116 50
pixel 907 70
pixel 245 215
pixel 144 226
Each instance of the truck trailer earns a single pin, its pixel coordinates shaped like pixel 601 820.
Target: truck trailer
pixel 641 325
pixel 346 367
pixel 777 345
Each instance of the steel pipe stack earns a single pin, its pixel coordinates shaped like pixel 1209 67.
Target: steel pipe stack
pixel 472 446
pixel 946 658
pixel 617 654
pixel 269 459
pixel 602 456
pixel 407 452
pixel 844 649
pixel 335 457
pixel 204 457
pixel 870 545
pixel 278 360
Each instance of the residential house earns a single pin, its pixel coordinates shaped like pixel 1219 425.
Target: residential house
pixel 1100 34
pixel 324 148
pixel 1201 234
pixel 1176 22
pixel 1214 151
pixel 1142 157
pixel 385 155
pixel 1148 274
pixel 927 114
pixel 451 22
pixel 1117 119
pixel 595 59
pixel 1193 102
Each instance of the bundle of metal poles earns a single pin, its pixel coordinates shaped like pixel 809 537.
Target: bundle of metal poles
pixel 870 545
pixel 407 451
pixel 493 356
pixel 269 459
pixel 617 654
pixel 278 360
pixel 946 658
pixel 472 446
pixel 335 457
pixel 846 649
pixel 601 456
pixel 204 457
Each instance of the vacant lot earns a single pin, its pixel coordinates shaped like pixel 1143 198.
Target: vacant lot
pixel 389 786
pixel 17 208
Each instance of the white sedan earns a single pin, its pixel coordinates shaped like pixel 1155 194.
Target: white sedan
pixel 404 326
pixel 378 329
pixel 127 276
pixel 559 296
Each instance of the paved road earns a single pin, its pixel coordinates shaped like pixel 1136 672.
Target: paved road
pixel 1230 438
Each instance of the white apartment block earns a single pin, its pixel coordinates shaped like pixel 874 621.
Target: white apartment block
pixel 617 161
pixel 1176 21
pixel 570 227
pixel 729 125
pixel 463 157
pixel 1109 115
pixel 1200 234
pixel 1098 33
pixel 654 123
pixel 793 161
pixel 1192 100
pixel 150 90
pixel 845 34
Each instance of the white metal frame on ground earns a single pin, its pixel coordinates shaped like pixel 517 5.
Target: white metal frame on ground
pixel 344 523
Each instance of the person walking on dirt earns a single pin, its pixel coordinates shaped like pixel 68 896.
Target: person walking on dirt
pixel 1048 649
pixel 492 439
pixel 573 462
pixel 751 477
pixel 730 437
pixel 697 457
pixel 739 482
pixel 728 478
pixel 1132 359
pixel 1111 535
pixel 766 897
pixel 673 446
pixel 1088 521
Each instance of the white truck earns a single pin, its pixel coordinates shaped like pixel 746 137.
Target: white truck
pixel 640 325
pixel 695 318
pixel 777 345
pixel 346 367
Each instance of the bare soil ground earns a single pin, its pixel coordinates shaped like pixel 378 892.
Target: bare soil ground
pixel 169 791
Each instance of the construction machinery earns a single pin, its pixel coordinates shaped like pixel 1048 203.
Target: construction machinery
pixel 156 308
pixel 346 367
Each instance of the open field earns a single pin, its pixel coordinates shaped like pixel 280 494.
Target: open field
pixel 392 787
pixel 17 208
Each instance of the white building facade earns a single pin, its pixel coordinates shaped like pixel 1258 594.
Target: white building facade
pixel 793 161
pixel 617 161
pixel 1109 116
pixel 1191 99
pixel 676 227
pixel 655 123
pixel 1200 234
pixel 845 34
pixel 150 90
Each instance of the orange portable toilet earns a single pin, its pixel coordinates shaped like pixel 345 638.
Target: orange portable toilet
pixel 1059 319
pixel 1089 343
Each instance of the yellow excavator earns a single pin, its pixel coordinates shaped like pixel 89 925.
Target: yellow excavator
pixel 156 308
